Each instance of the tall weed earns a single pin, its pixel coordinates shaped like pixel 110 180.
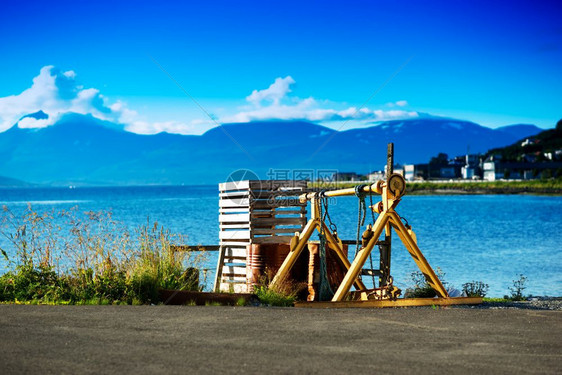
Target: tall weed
pixel 80 256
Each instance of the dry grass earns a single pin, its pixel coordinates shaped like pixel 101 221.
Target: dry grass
pixel 72 256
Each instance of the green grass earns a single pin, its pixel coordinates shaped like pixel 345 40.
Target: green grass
pixel 104 263
pixel 497 300
pixel 271 297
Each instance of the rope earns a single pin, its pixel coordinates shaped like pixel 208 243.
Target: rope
pixel 325 292
pixel 371 254
pixel 361 214
pixel 324 201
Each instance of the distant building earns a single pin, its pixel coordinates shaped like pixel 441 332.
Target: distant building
pixel 375 176
pixel 347 176
pixel 415 172
pixel 468 172
pixel 397 169
pixel 496 170
pixel 409 172
pixel 491 171
pixel 471 166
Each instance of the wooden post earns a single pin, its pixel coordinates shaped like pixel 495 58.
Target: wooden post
pixel 385 247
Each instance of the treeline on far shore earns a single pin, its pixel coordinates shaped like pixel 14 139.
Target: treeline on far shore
pixel 543 186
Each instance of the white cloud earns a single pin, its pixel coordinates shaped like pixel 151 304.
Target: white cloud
pixel 274 103
pixel 274 93
pixel 399 103
pixel 56 92
pixel 176 127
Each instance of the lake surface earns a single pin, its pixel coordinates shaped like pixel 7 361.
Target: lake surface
pixel 489 238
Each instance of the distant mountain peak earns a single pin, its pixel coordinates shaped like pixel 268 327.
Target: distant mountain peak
pixel 39 115
pixel 82 148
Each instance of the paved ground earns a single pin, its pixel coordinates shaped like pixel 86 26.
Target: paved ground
pixel 208 339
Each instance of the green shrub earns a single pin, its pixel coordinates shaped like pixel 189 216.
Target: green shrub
pixel 421 288
pixel 475 289
pixel 517 289
pixel 284 293
pixel 271 297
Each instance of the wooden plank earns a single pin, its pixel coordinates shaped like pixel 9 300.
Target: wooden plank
pixel 275 231
pixel 234 185
pixel 236 243
pixel 234 218
pixel 268 222
pixel 275 184
pixel 235 252
pixel 264 204
pixel 234 203
pixel 272 239
pixel 218 275
pixel 278 212
pixel 234 194
pixel 401 302
pixel 234 234
pixel 241 261
pixel 233 278
pixel 273 195
pixel 235 226
pixel 235 210
pixel 233 270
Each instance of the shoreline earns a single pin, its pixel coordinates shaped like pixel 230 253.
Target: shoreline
pixel 461 187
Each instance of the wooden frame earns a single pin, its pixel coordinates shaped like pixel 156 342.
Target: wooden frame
pixel 254 211
pixel 388 219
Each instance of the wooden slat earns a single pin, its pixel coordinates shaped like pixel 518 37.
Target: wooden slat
pixel 234 218
pixel 400 302
pixel 278 212
pixel 275 231
pixel 231 194
pixel 235 210
pixel 233 278
pixel 234 234
pixel 233 270
pixel 272 239
pixel 235 226
pixel 234 203
pixel 234 185
pixel 275 184
pixel 261 204
pixel 236 243
pixel 279 221
pixel 270 195
pixel 236 260
pixel 235 251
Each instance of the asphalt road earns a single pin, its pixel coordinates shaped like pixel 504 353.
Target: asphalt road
pixel 215 339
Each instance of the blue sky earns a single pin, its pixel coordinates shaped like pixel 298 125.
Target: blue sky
pixel 495 63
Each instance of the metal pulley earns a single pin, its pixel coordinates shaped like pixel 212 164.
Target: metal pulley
pixel 396 185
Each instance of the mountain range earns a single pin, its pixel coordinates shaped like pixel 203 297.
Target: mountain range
pixel 83 150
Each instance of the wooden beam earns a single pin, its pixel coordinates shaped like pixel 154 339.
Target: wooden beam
pixel 401 302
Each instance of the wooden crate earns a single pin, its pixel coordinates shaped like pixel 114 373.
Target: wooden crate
pixel 254 211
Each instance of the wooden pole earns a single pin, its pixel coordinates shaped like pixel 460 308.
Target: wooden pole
pixel 385 248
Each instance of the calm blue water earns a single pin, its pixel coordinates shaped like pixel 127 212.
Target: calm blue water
pixel 490 238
